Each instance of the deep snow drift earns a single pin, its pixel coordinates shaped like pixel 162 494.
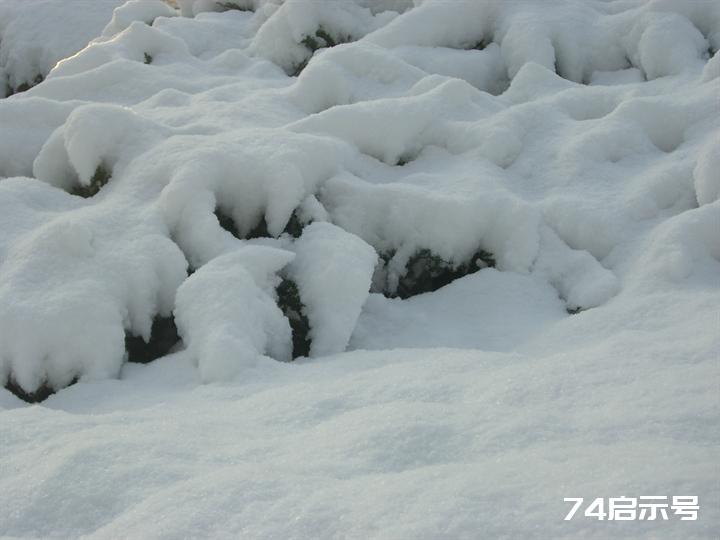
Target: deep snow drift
pixel 488 233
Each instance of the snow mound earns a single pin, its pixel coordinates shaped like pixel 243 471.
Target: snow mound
pixel 35 35
pixel 227 316
pixel 333 270
pixel 436 140
pixel 68 291
pixel 136 10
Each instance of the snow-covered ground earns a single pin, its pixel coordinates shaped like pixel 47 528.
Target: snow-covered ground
pixel 297 179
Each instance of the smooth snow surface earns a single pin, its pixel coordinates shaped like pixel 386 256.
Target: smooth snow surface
pixel 188 160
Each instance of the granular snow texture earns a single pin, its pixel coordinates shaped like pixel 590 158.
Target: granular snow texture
pixel 497 221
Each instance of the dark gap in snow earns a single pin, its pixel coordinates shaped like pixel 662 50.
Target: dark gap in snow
pixel 259 231
pixel 400 161
pixel 148 58
pixel 163 337
pixel 427 272
pixel 294 226
pixel 291 305
pixel 39 394
pixel 574 310
pixel 480 45
pixel 23 87
pixel 100 178
pixel 406 158
pixel 298 69
pixel 226 222
pixel 557 69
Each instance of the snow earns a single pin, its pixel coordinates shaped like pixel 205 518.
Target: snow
pixel 333 270
pixel 185 161
pixel 227 316
pixel 34 35
pixel 707 181
pixel 488 310
pixel 137 10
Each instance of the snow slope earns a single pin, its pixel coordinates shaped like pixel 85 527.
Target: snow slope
pixel 199 163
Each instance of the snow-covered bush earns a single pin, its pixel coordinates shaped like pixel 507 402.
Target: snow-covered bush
pixel 332 271
pixel 423 143
pixel 136 10
pixel 35 35
pixel 297 30
pixel 227 315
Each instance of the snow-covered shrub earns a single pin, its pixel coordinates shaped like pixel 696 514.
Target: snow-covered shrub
pixel 425 272
pixel 190 8
pixel 136 10
pixel 297 29
pixel 72 285
pixel 445 136
pixel 226 312
pixel 332 272
pixel 35 35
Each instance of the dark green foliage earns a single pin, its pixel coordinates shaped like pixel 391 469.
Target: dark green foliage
pixel 41 394
pixel 291 304
pixel 237 5
pixel 99 179
pixel 320 40
pixel 148 58
pixel 163 337
pixel 427 272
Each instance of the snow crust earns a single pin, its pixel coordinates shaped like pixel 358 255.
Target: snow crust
pixel 582 157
